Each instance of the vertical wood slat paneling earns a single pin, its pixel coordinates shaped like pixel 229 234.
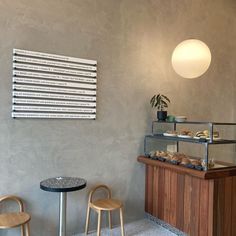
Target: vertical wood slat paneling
pixel 227 207
pixel 187 203
pixel 211 205
pixel 220 206
pixel 195 197
pixel 146 189
pixel 155 191
pixel 196 206
pixel 233 220
pixel 167 195
pixel 149 190
pixel 173 197
pixel 161 184
pixel 203 206
pixel 180 201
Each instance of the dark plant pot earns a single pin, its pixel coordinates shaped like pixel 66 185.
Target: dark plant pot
pixel 162 115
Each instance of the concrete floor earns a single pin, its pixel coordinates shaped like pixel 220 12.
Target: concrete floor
pixel 143 227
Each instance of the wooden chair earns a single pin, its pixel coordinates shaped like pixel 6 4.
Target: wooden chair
pixel 15 219
pixel 108 204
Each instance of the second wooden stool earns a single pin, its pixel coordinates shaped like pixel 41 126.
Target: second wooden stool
pixel 108 204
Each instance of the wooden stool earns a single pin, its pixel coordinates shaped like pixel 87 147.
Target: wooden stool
pixel 108 204
pixel 15 219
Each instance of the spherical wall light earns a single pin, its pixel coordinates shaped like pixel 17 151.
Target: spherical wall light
pixel 191 58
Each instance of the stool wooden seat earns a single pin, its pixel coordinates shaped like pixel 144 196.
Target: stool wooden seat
pixel 108 204
pixel 15 219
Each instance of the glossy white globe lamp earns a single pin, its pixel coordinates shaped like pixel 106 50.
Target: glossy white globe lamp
pixel 191 58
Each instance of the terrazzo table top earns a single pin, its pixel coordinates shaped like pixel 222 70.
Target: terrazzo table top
pixel 63 184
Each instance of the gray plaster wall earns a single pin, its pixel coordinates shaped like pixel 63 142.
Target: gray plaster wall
pixel 132 40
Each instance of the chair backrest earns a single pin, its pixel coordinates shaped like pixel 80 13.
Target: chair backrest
pixel 13 198
pixel 104 187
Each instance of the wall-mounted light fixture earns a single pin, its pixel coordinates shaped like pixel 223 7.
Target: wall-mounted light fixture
pixel 191 58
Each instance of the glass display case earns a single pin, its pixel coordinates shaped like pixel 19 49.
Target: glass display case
pixel 196 145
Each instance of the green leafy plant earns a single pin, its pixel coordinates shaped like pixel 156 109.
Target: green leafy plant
pixel 160 101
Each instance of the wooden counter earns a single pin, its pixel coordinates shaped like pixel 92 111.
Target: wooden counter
pixel 199 203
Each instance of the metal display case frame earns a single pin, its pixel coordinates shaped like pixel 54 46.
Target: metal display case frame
pixel 202 141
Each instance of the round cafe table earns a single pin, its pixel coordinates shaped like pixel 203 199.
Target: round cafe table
pixel 62 185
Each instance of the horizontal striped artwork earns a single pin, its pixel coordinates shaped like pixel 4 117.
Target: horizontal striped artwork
pixel 53 86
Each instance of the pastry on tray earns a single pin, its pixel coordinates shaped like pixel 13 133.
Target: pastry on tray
pixel 180 155
pixel 158 155
pixel 195 162
pixel 161 153
pixel 202 134
pixel 185 161
pixel 178 158
pixel 206 134
pixel 167 157
pixel 185 133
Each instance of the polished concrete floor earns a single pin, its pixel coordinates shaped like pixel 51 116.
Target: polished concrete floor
pixel 143 227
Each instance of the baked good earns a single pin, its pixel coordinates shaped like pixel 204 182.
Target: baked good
pixel 186 132
pixel 176 158
pixel 152 154
pixel 206 134
pixel 185 161
pixel 161 153
pixel 200 134
pixel 157 153
pixel 196 162
pixel 181 155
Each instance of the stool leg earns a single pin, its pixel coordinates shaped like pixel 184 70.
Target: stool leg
pixel 99 223
pixel 110 219
pixel 87 220
pixel 27 229
pixel 121 222
pixel 22 230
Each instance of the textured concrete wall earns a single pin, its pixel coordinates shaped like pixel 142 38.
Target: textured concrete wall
pixel 132 41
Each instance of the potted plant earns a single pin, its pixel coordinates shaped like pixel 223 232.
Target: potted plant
pixel 161 102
